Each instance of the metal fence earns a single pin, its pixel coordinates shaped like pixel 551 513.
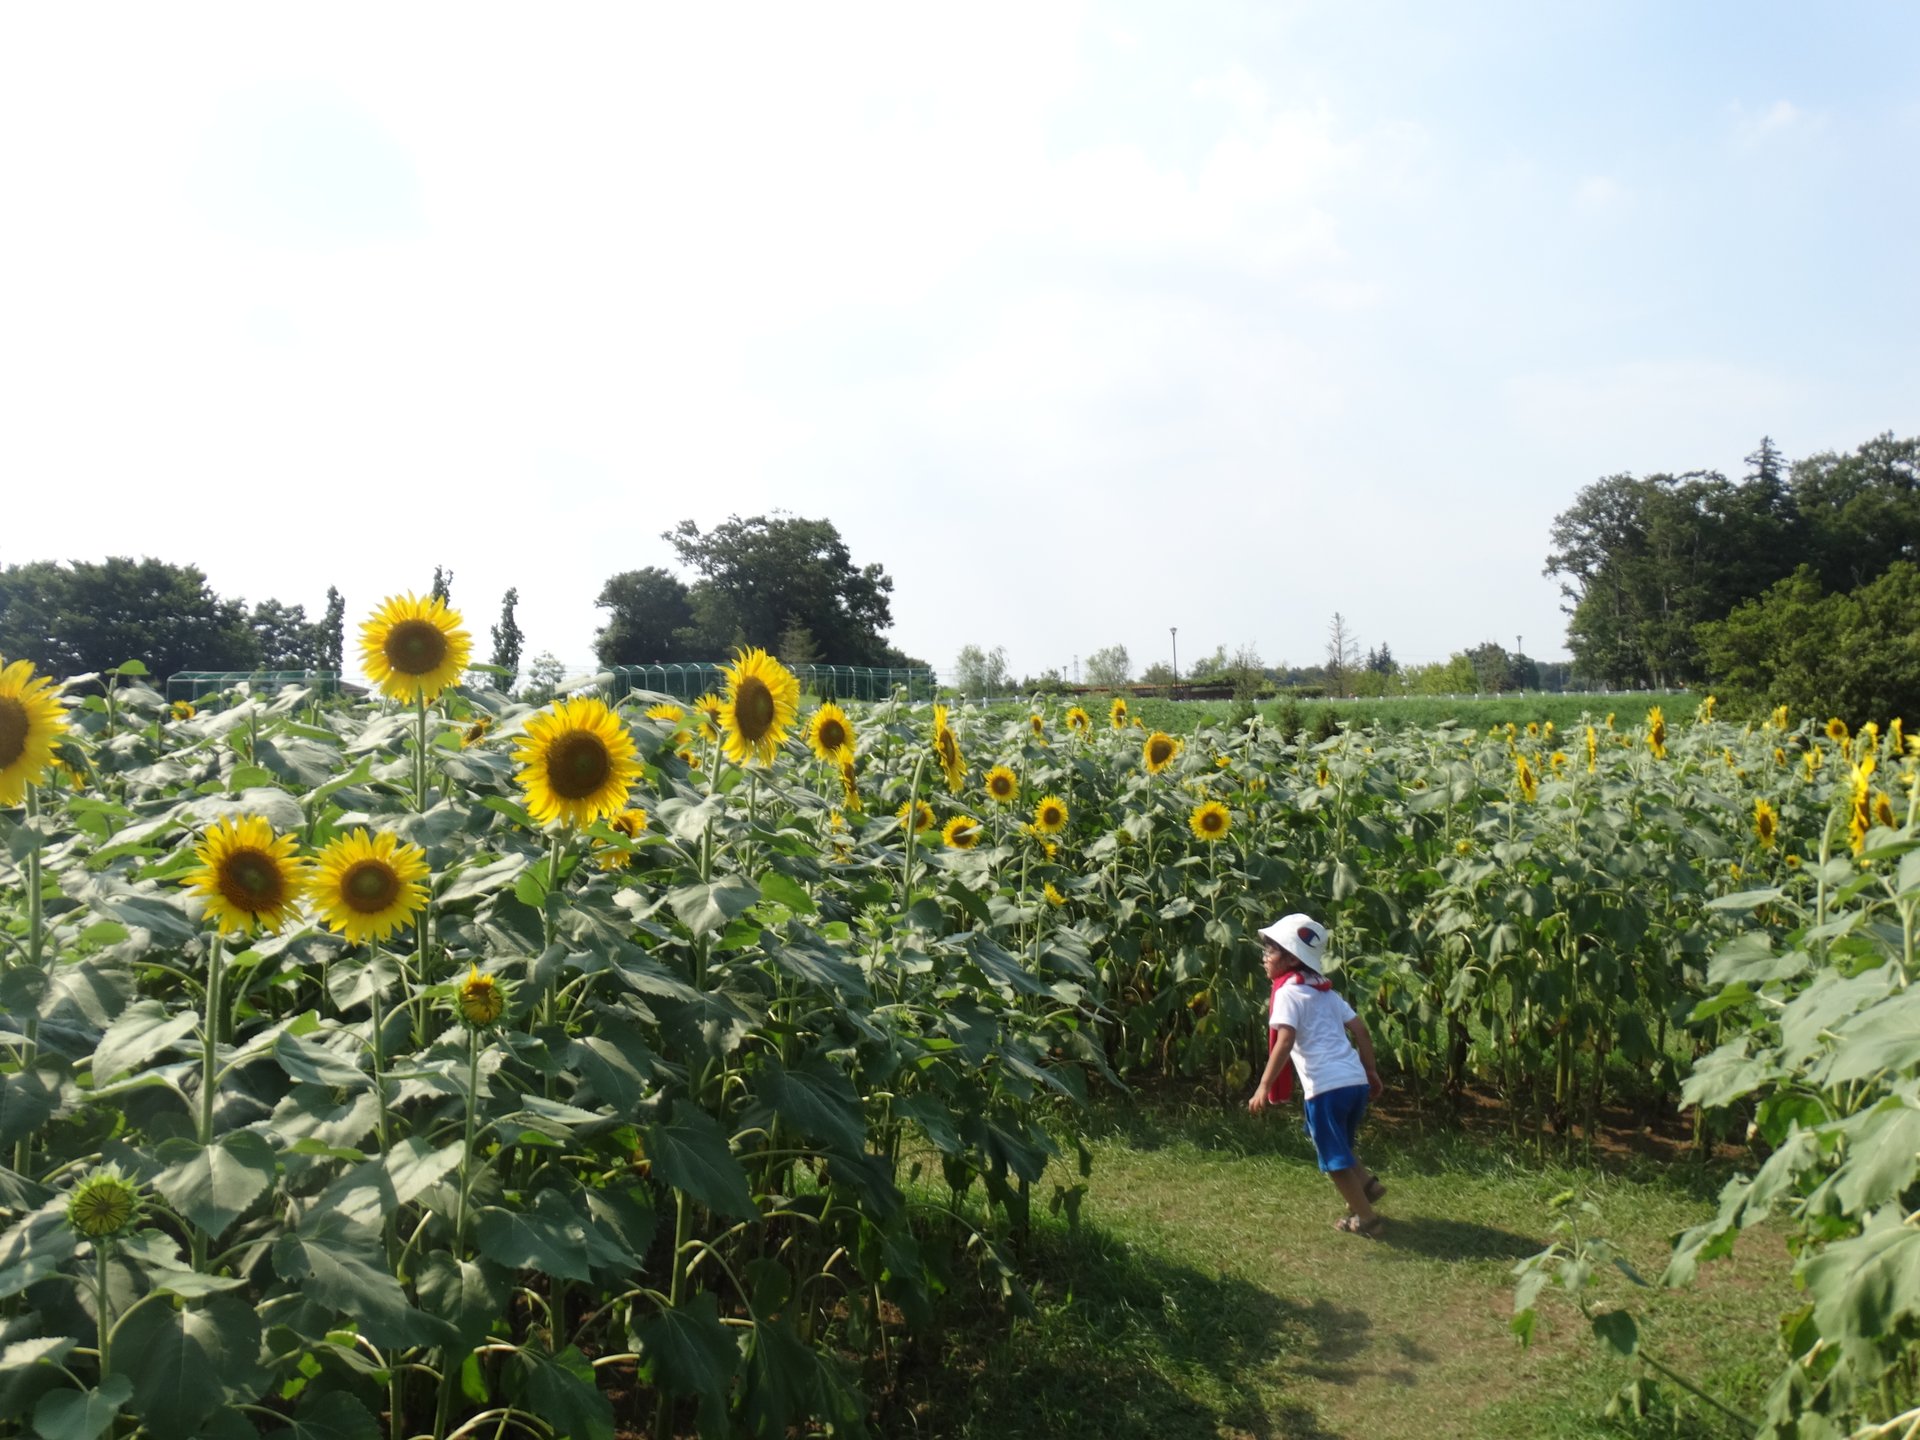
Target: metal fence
pixel 193 684
pixel 837 682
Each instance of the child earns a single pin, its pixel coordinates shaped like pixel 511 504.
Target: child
pixel 1311 1026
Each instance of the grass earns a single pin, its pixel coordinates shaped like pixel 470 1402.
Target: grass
pixel 1205 1294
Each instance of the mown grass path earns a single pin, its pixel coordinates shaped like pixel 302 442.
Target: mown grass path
pixel 1206 1295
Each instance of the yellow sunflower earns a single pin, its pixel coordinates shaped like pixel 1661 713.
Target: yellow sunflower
pixel 1210 822
pixel 251 878
pixel 1529 782
pixel 413 649
pixel 830 734
pixel 1038 724
pixel 1050 815
pixel 962 832
pixel 1882 810
pixel 1593 749
pixel 708 707
pixel 367 886
pixel 850 787
pixel 1657 733
pixel 1766 823
pixel 1054 897
pixel 628 823
pixel 1003 785
pixel 762 701
pixel 1117 713
pixel 31 720
pixel 577 763
pixel 1837 730
pixel 669 713
pixel 182 710
pixel 1079 721
pixel 946 748
pixel 922 815
pixel 1862 817
pixel 481 1000
pixel 1779 720
pixel 1160 751
pixel 476 732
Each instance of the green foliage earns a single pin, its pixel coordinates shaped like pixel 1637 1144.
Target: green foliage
pixel 650 621
pixel 507 638
pixel 1108 668
pixel 89 616
pixel 331 640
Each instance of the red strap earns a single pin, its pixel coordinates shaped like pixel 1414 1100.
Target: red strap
pixel 1281 1091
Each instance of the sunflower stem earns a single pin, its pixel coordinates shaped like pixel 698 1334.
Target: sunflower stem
pixel 103 1307
pixel 209 1066
pixel 420 751
pixel 36 950
pixel 913 828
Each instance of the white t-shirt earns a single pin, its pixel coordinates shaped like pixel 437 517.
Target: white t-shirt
pixel 1322 1053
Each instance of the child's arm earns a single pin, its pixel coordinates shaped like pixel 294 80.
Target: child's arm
pixel 1363 1042
pixel 1276 1060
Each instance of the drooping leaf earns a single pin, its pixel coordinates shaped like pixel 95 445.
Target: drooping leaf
pixel 560 1389
pixel 691 1155
pixel 145 1029
pixel 81 1414
pixel 463 1295
pixel 213 1184
pixel 185 1363
pixel 38 1244
pixel 688 1351
pixel 549 1237
pixel 329 1415
pixel 343 1267
pixel 704 908
pixel 28 1100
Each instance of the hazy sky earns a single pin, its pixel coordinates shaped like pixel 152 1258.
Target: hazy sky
pixel 1084 321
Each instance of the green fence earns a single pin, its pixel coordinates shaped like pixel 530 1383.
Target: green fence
pixel 193 684
pixel 838 682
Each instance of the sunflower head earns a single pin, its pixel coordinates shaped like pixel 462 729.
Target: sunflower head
pixel 1882 810
pixel 1050 815
pixel 31 720
pixel 1529 782
pixel 104 1204
pixel 946 749
pixel 1657 733
pixel 577 763
pixel 830 734
pixel 413 649
pixel 1037 723
pixel 181 710
pixel 1117 713
pixel 761 704
pixel 1210 821
pixel 367 886
pixel 630 823
pixel 250 877
pixel 1766 823
pixel 476 732
pixel 962 832
pixel 480 1000
pixel 1003 785
pixel 1054 897
pixel 1463 847
pixel 917 815
pixel 1533 727
pixel 1593 749
pixel 850 786
pixel 1779 718
pixel 1078 720
pixel 708 708
pixel 1160 751
pixel 667 713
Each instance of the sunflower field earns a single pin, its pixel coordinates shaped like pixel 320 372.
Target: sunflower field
pixel 432 1065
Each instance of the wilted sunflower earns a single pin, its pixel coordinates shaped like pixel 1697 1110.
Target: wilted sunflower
pixel 182 710
pixel 31 720
pixel 1003 785
pixel 1862 807
pixel 1054 897
pixel 1657 733
pixel 1896 741
pixel 413 649
pixel 1705 714
pixel 850 787
pixel 962 832
pixel 830 734
pixel 1593 749
pixel 1037 723
pixel 628 823
pixel 1766 823
pixel 1050 815
pixel 105 1203
pixel 250 876
pixel 1117 713
pixel 922 815
pixel 1078 720
pixel 946 749
pixel 762 701
pixel 1779 720
pixel 1210 822
pixel 1882 810
pixel 1160 751
pixel 577 763
pixel 670 713
pixel 481 1000
pixel 367 886
pixel 1529 782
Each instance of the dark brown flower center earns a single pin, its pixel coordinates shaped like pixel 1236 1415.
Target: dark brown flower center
pixel 370 886
pixel 578 765
pixel 1159 752
pixel 753 708
pixel 833 735
pixel 252 880
pixel 13 730
pixel 416 647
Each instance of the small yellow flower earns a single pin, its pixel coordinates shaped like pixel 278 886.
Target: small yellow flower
pixel 1117 713
pixel 630 823
pixel 850 787
pixel 1210 822
pixel 182 710
pixel 476 732
pixel 666 712
pixel 1050 815
pixel 1054 897
pixel 1079 721
pixel 921 813
pixel 1529 782
pixel 1003 785
pixel 1766 823
pixel 1779 720
pixel 481 1000
pixel 1657 733
pixel 1593 749
pixel 962 832
pixel 1463 847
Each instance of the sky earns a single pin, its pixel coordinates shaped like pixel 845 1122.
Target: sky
pixel 1091 323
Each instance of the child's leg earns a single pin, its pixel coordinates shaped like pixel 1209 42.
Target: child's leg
pixel 1352 1185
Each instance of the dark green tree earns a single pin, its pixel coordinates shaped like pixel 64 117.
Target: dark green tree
pixel 507 638
pixel 650 621
pixel 91 616
pixel 1862 511
pixel 442 586
pixel 796 649
pixel 757 574
pixel 284 638
pixel 331 641
pixel 1492 667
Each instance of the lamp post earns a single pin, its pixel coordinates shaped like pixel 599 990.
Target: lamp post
pixel 1173 632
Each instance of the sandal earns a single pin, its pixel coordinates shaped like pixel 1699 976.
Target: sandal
pixel 1354 1225
pixel 1376 1187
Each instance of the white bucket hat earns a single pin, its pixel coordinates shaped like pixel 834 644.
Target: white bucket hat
pixel 1301 936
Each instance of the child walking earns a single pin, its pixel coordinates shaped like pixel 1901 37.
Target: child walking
pixel 1319 1033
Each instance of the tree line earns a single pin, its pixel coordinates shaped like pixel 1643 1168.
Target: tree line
pixel 1795 584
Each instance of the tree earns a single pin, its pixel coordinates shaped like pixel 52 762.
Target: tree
pixel 442 586
pixel 283 638
pixel 1209 666
pixel 92 616
pixel 1492 667
pixel 981 672
pixel 543 678
pixel 1343 654
pixel 331 640
pixel 796 649
pixel 507 638
pixel 759 574
pixel 1381 661
pixel 651 621
pixel 1109 669
pixel 1159 673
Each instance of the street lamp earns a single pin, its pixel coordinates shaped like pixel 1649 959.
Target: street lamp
pixel 1174 632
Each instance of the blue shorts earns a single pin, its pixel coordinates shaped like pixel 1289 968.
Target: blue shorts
pixel 1333 1119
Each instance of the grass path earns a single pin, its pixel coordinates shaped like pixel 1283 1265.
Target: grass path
pixel 1205 1294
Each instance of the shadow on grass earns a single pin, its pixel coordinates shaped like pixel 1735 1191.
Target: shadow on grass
pixel 1124 1345
pixel 1434 1238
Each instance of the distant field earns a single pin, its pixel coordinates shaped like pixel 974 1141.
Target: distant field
pixel 1181 717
